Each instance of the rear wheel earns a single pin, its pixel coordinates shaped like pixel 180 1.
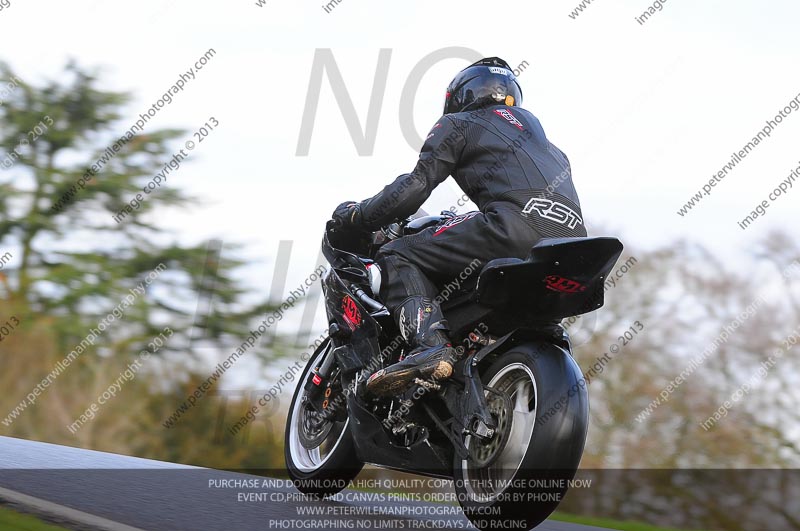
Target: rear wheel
pixel 319 452
pixel 517 478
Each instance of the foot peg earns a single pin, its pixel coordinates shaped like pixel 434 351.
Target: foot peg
pixel 427 385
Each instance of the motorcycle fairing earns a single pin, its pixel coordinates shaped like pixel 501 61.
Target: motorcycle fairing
pixel 357 340
pixel 374 445
pixel 560 278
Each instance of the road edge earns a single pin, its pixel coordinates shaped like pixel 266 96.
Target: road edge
pixel 61 513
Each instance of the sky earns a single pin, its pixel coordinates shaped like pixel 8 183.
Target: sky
pixel 647 113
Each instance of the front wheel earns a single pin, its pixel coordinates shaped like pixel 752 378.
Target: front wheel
pixel 320 454
pixel 516 479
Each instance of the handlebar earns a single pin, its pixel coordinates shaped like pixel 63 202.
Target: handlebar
pixel 393 230
pixel 376 308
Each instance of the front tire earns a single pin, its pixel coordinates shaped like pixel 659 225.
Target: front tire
pixel 537 455
pixel 327 468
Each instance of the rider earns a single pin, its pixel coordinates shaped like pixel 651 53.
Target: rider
pixel 500 157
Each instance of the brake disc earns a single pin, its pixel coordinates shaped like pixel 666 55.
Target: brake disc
pixel 482 452
pixel 314 429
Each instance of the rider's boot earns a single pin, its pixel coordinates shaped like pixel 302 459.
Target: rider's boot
pixel 422 325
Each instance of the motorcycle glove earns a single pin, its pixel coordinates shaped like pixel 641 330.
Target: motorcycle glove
pixel 348 214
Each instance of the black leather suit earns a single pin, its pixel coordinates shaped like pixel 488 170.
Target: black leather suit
pixel 522 184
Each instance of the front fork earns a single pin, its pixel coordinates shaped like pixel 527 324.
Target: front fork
pixel 318 389
pixel 319 376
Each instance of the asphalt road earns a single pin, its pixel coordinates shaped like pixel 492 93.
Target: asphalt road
pixel 91 490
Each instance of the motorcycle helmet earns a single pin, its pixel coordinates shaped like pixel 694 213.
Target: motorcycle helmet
pixel 487 82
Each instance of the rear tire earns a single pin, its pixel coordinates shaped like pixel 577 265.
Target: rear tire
pixel 546 433
pixel 312 472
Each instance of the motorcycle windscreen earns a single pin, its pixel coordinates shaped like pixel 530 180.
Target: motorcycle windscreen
pixel 562 277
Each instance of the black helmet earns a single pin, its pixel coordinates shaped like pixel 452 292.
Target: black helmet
pixel 488 82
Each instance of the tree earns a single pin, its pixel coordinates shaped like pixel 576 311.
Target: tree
pixel 69 165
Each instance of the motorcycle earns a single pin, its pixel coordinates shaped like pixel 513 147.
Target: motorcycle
pixel 508 427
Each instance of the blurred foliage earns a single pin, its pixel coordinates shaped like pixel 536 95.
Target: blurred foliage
pixel 13 520
pixel 665 468
pixel 72 266
pixel 685 297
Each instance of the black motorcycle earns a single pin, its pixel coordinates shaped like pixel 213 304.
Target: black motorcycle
pixel 508 427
